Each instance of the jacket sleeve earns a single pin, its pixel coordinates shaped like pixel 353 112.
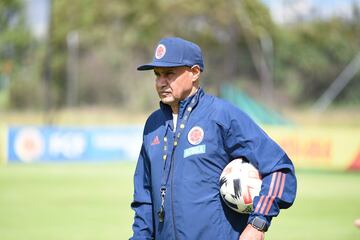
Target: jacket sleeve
pixel 245 139
pixel 142 202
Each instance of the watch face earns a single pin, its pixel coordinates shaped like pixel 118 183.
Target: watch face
pixel 259 224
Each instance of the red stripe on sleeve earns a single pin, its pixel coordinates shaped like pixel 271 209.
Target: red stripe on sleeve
pixel 278 180
pixel 259 204
pixel 272 184
pixel 264 205
pixel 271 194
pixel 270 204
pixel 282 186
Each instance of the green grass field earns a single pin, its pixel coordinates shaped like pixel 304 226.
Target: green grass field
pixel 91 201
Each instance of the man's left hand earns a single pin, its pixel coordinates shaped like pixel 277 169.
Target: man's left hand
pixel 251 233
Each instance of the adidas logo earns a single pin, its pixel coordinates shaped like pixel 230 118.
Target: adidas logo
pixel 155 141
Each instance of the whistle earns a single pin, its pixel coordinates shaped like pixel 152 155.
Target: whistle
pixel 161 215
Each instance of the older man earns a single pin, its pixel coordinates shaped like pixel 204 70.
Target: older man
pixel 186 145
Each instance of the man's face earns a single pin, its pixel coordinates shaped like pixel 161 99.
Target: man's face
pixel 173 84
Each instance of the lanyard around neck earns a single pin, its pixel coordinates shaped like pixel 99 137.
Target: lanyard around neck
pixel 166 170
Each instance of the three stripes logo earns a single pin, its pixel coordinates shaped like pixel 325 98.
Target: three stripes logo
pixel 275 191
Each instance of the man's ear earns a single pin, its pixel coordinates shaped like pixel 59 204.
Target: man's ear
pixel 195 72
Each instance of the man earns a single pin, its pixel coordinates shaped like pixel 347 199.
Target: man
pixel 186 145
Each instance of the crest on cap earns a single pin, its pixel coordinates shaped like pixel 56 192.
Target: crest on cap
pixel 160 51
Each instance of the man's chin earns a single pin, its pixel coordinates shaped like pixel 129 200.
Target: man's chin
pixel 168 101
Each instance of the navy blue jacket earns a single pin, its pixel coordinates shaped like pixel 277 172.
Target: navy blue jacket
pixel 193 206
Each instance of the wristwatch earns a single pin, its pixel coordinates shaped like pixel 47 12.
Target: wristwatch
pixel 259 224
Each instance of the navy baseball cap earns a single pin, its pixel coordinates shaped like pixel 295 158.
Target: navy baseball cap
pixel 175 52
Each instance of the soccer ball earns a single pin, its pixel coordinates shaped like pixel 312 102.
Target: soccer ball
pixel 239 183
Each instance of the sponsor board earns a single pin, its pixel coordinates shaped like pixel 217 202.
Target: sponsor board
pixel 309 147
pixel 43 144
pixel 319 147
pixel 3 143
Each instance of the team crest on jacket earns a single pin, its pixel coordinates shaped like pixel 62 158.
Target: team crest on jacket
pixel 196 135
pixel 160 51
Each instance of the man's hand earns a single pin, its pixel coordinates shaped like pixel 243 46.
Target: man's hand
pixel 357 222
pixel 251 233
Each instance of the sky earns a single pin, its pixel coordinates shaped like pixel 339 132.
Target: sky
pixel 282 11
pixel 285 11
pixel 37 16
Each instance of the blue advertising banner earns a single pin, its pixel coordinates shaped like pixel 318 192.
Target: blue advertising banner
pixel 55 144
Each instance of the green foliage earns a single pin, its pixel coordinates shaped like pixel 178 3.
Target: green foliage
pixel 123 34
pixel 15 41
pixel 314 54
pixel 24 92
pixel 116 36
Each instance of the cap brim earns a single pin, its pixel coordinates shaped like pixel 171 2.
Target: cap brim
pixel 153 65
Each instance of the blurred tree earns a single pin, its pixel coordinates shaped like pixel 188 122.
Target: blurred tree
pixel 15 38
pixel 107 33
pixel 14 45
pixel 119 35
pixel 236 38
pixel 311 55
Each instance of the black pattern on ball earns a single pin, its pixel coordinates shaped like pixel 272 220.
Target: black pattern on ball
pixel 237 187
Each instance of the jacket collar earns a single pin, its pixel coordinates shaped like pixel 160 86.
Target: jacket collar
pixel 166 109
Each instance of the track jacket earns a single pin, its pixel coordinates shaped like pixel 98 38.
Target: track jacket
pixel 187 164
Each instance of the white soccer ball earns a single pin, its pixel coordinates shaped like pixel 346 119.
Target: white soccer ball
pixel 239 183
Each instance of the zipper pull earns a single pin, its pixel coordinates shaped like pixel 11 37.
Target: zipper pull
pixel 161 213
